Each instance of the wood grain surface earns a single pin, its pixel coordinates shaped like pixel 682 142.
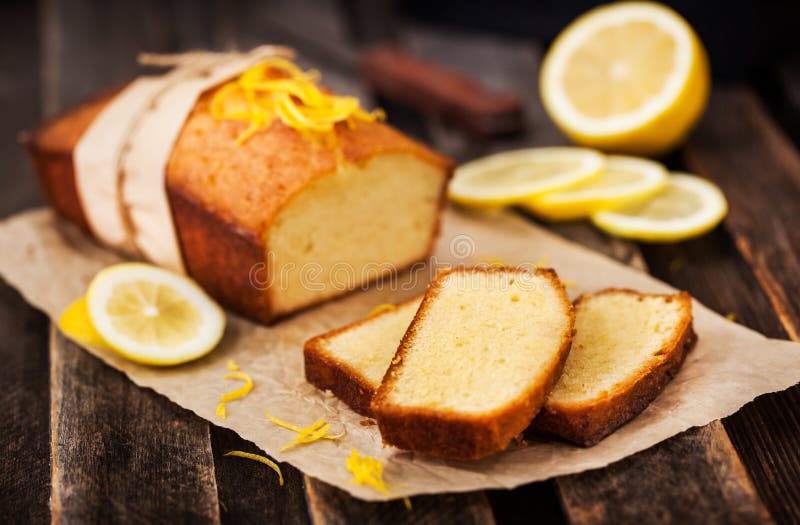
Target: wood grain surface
pixel 739 146
pixel 81 443
pixel 24 385
pixel 120 452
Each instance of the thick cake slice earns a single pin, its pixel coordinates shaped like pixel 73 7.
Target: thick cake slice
pixel 627 347
pixel 351 361
pixel 474 367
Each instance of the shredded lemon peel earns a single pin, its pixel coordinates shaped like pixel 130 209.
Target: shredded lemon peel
pixel 385 307
pixel 234 394
pixel 261 459
pixel 277 89
pixel 314 432
pixel 368 471
pixel 232 366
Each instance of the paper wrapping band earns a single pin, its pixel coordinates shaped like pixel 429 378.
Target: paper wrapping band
pixel 96 162
pixel 120 161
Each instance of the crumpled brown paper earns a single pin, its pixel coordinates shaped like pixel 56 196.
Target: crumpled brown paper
pixel 51 264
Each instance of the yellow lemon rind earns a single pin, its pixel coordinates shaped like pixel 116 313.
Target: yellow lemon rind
pixel 645 230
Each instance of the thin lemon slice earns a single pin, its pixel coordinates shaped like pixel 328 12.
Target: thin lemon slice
pixel 153 316
pixel 623 182
pixel 630 77
pixel 513 176
pixel 687 206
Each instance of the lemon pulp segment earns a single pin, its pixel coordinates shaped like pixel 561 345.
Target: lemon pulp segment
pixel 623 78
pixel 153 314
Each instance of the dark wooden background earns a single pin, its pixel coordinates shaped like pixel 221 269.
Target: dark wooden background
pixel 80 443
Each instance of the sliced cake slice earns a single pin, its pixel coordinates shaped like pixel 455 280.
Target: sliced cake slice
pixel 627 347
pixel 351 361
pixel 474 367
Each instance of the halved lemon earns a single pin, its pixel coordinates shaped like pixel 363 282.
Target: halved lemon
pixel 630 77
pixel 624 181
pixel 686 207
pixel 153 316
pixel 513 176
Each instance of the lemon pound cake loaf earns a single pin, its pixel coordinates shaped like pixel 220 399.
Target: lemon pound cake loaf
pixel 627 347
pixel 273 193
pixel 474 367
pixel 351 361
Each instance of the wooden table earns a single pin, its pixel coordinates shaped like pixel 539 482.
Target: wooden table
pixel 80 443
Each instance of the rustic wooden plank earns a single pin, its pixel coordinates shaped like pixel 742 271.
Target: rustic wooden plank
pixel 24 396
pixel 331 506
pixel 738 146
pixel 690 463
pixel 88 46
pixel 121 453
pixel 701 456
pixel 249 492
pixel 19 104
pixel 763 432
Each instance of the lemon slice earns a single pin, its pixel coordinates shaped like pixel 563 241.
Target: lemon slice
pixel 512 176
pixel 153 316
pixel 624 181
pixel 686 207
pixel 630 77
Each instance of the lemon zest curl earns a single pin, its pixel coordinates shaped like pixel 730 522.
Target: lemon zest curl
pixel 385 307
pixel 261 459
pixel 235 394
pixel 277 89
pixel 316 431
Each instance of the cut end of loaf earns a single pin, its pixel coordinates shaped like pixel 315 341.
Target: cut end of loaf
pixel 361 224
pixel 484 348
pixel 362 210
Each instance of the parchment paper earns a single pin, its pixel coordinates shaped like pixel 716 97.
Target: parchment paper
pixel 51 264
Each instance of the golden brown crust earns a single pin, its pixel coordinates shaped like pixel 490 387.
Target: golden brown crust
pixel 248 185
pixel 226 260
pixel 222 197
pixel 458 436
pixel 588 424
pixel 328 373
pixel 50 149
